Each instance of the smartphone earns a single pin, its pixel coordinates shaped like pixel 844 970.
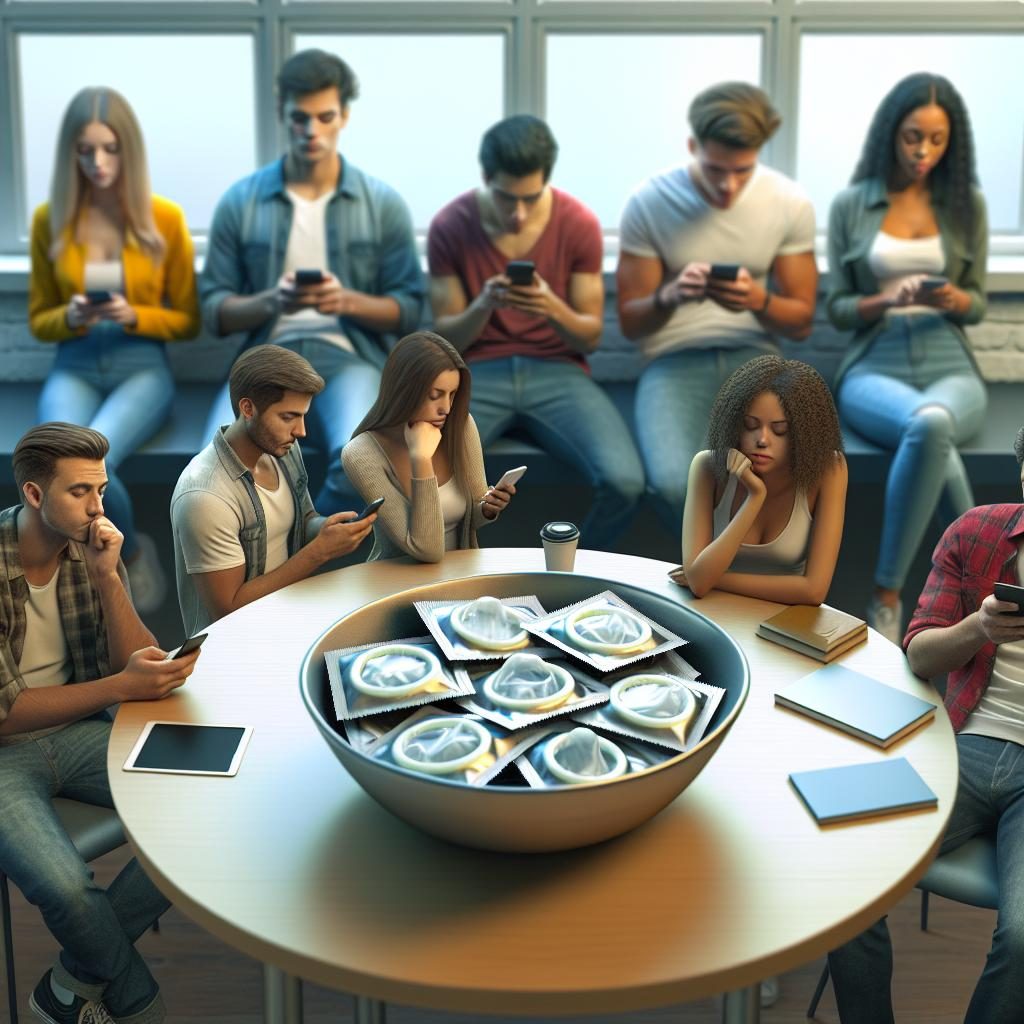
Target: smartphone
pixel 98 296
pixel 193 643
pixel 724 271
pixel 929 284
pixel 511 476
pixel 1011 592
pixel 304 278
pixel 520 272
pixel 369 510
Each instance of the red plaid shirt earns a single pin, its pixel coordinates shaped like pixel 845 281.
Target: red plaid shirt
pixel 975 553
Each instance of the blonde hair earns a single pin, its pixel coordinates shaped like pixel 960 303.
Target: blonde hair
pixel 67 187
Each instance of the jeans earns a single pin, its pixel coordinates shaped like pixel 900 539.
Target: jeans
pixel 95 928
pixel 571 417
pixel 917 394
pixel 673 405
pixel 352 386
pixel 990 799
pixel 119 385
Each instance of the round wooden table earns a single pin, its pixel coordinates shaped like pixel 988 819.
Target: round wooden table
pixel 292 863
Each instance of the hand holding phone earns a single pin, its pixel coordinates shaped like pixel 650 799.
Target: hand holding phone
pixel 193 643
pixel 724 271
pixel 99 296
pixel 1010 592
pixel 520 272
pixel 931 283
pixel 510 476
pixel 307 278
pixel 369 510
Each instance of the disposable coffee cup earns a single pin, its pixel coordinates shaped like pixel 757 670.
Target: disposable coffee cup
pixel 559 540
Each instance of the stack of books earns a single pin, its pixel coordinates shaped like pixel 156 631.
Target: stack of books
pixel 819 632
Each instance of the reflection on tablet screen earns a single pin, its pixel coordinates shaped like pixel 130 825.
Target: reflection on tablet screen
pixel 176 747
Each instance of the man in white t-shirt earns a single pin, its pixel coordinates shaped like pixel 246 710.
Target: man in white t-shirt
pixel 716 258
pixel 243 522
pixel 72 645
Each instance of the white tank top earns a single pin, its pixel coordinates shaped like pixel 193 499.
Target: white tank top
pixel 784 556
pixel 891 259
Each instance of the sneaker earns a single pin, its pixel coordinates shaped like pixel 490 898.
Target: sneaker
pixel 146 576
pixel 47 1007
pixel 769 992
pixel 887 619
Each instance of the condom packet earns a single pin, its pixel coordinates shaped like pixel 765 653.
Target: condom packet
pixel 390 674
pixel 442 744
pixel 483 629
pixel 361 733
pixel 517 694
pixel 645 702
pixel 562 756
pixel 605 632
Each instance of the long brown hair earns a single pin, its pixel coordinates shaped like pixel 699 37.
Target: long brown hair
pixel 68 188
pixel 412 367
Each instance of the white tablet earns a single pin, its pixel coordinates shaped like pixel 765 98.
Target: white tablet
pixel 177 748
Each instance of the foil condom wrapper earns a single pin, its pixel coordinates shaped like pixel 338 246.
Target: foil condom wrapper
pixel 482 629
pixel 374 678
pixel 604 631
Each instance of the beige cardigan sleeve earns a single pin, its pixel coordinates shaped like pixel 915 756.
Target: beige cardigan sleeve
pixel 473 469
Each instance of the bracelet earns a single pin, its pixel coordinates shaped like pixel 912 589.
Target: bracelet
pixel 767 299
pixel 662 307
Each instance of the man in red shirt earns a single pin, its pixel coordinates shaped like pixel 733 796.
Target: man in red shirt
pixel 962 629
pixel 527 343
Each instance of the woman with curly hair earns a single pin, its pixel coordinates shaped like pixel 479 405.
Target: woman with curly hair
pixel 908 241
pixel 765 503
pixel 419 449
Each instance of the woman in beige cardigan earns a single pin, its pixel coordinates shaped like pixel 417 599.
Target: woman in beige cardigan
pixel 419 449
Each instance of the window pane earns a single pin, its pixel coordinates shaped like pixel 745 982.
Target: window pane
pixel 843 78
pixel 424 101
pixel 609 141
pixel 170 81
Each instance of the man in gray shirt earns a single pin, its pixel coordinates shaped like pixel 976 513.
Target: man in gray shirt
pixel 243 522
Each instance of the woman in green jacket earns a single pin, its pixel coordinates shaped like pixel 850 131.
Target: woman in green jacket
pixel 907 247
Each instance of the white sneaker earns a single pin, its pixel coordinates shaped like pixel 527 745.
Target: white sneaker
pixel 769 992
pixel 146 576
pixel 886 619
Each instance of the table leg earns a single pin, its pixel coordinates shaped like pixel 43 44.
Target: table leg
pixel 742 1006
pixel 369 1011
pixel 282 997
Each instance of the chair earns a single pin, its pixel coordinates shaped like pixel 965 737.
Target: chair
pixel 966 874
pixel 94 831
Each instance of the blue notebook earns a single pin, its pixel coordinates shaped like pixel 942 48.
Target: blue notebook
pixel 861 790
pixel 857 704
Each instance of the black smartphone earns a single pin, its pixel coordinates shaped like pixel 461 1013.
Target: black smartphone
pixel 724 271
pixel 520 272
pixel 369 510
pixel 304 278
pixel 193 643
pixel 929 284
pixel 98 296
pixel 1011 592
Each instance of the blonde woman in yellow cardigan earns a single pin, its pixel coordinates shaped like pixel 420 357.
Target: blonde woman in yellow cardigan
pixel 112 281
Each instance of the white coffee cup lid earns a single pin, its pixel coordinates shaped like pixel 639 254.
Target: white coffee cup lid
pixel 559 531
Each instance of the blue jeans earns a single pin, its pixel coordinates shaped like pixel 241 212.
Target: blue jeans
pixel 96 929
pixel 673 405
pixel 917 394
pixel 990 799
pixel 571 417
pixel 119 385
pixel 352 386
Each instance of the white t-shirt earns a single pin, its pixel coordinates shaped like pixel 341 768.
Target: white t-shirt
pixel 668 219
pixel 207 527
pixel 307 250
pixel 45 658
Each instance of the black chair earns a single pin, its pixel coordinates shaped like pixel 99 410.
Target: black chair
pixel 967 874
pixel 94 831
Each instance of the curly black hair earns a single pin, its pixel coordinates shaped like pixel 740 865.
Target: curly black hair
pixel 952 178
pixel 814 434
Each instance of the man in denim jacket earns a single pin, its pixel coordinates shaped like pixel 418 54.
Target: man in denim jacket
pixel 351 236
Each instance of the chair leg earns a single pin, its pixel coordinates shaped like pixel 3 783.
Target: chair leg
pixel 12 995
pixel 924 910
pixel 818 992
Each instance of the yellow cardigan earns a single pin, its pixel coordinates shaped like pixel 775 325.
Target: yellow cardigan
pixel 147 286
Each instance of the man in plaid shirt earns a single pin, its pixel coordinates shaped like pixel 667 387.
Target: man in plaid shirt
pixel 66 617
pixel 962 629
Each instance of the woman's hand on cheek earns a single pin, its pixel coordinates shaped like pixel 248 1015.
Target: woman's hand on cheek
pixel 422 439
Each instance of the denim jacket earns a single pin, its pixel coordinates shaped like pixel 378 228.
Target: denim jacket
pixel 370 248
pixel 854 221
pixel 219 470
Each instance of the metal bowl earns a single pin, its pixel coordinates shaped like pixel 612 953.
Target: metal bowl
pixel 518 819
